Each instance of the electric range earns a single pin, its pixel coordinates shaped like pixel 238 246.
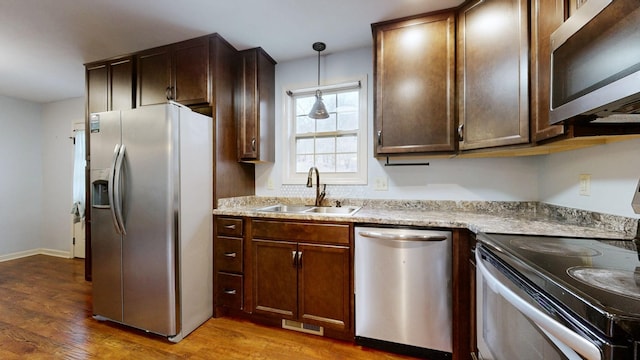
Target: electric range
pixel 596 280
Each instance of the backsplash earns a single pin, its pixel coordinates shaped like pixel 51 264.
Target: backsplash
pixel 588 218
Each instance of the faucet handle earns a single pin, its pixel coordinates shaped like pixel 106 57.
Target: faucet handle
pixel 338 203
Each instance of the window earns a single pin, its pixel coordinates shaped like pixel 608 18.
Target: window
pixel 336 145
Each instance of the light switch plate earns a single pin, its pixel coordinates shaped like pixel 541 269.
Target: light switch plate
pixel 585 185
pixel 380 183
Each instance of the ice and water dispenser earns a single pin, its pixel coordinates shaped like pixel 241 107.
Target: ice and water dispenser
pixel 100 194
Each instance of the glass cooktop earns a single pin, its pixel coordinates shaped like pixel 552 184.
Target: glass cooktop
pixel 598 280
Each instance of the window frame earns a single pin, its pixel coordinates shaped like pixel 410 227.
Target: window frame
pixel 290 176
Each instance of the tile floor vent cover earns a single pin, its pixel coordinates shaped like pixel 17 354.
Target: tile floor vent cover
pixel 302 327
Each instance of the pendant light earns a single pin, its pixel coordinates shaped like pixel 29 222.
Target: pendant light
pixel 319 111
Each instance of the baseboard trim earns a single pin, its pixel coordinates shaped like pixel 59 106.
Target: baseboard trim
pixel 40 251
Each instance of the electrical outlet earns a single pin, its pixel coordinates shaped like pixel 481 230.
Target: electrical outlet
pixel 380 183
pixel 585 185
pixel 270 184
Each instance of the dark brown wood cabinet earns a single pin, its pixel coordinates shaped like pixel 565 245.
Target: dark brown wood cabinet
pixel 178 72
pixel 255 101
pixel 493 73
pixel 414 76
pixel 303 272
pixel 546 17
pixel 154 76
pixel 110 85
pixel 228 257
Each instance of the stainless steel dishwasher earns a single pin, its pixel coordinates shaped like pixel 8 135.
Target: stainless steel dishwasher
pixel 403 290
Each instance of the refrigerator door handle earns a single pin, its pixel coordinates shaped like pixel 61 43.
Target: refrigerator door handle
pixel 110 188
pixel 117 192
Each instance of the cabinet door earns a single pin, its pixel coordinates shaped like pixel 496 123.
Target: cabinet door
pixel 415 85
pixel 546 16
pixel 255 106
pixel 154 76
pixel 97 88
pixel 191 72
pixel 110 85
pixel 324 282
pixel 275 278
pixel 247 108
pixel 122 92
pixel 493 73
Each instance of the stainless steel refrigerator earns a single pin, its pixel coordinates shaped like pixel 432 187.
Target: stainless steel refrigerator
pixel 151 218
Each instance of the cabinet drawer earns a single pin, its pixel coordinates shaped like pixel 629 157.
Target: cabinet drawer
pixel 228 254
pixel 229 290
pixel 229 226
pixel 295 231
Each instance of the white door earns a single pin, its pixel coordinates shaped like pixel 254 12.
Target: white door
pixel 78 239
pixel 79 203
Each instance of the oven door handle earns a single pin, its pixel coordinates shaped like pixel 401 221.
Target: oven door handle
pixel 559 333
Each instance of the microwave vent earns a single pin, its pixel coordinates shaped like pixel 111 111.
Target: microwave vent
pixel 630 108
pixel 628 112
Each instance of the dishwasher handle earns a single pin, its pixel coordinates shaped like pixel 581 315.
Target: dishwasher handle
pixel 401 237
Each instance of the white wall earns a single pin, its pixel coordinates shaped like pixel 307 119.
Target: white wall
pixel 508 179
pixel 57 169
pixel 614 170
pixel 20 175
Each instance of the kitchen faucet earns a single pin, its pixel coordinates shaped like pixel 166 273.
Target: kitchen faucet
pixel 319 195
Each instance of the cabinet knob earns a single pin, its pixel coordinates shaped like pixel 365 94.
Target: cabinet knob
pixel 230 227
pixel 230 254
pixel 230 291
pixel 294 257
pixel 253 144
pixel 380 137
pixel 461 132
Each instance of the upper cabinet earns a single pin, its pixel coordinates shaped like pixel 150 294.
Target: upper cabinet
pixel 493 72
pixel 254 101
pixel 546 16
pixel 414 72
pixel 110 85
pixel 178 72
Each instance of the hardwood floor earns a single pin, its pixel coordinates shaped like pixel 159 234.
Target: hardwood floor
pixel 45 313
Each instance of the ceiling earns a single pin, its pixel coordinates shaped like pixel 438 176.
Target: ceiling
pixel 46 42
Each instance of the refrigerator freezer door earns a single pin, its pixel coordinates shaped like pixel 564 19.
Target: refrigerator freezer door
pixel 106 242
pixel 150 208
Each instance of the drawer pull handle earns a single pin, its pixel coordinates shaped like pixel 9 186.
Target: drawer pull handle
pixel 230 227
pixel 230 254
pixel 230 291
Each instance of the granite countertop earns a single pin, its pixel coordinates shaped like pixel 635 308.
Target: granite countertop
pixel 530 218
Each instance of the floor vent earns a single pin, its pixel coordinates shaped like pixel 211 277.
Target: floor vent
pixel 302 327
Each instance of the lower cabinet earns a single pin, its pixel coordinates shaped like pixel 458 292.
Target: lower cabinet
pixel 303 272
pixel 304 282
pixel 228 264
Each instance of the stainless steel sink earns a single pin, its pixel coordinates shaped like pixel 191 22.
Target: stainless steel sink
pixel 345 210
pixel 309 209
pixel 286 208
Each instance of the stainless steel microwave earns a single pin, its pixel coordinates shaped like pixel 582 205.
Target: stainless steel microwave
pixel 595 63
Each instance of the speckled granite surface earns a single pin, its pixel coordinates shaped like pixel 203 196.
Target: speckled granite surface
pixel 478 216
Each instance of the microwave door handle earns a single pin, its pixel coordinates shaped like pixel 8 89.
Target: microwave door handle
pixel 558 331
